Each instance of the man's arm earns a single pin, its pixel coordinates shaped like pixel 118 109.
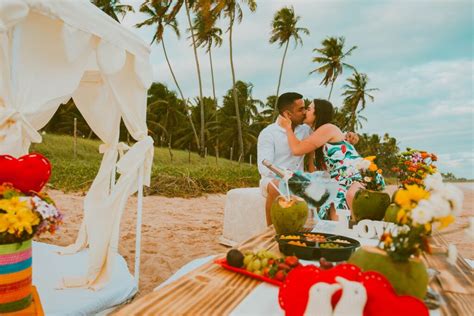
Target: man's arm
pixel 265 150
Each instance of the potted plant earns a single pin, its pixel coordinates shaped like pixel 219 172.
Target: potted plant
pixel 370 202
pixel 22 216
pixel 420 209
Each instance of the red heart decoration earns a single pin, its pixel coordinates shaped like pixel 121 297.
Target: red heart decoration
pixel 27 173
pixel 381 298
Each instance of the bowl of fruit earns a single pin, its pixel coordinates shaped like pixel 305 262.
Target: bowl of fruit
pixel 313 246
pixel 263 265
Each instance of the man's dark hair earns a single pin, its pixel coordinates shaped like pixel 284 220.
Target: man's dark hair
pixel 285 101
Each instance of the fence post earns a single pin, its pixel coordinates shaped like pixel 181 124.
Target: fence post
pixel 205 152
pixel 189 153
pixel 231 152
pixel 250 159
pixel 75 138
pixel 171 153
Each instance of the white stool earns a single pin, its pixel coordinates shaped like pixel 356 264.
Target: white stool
pixel 244 215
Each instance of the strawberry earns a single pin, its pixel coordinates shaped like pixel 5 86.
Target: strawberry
pixel 283 266
pixel 292 261
pixel 266 271
pixel 280 275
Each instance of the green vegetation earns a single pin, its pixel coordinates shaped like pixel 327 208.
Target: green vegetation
pixel 176 178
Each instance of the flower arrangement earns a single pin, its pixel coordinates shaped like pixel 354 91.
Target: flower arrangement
pixel 413 166
pixel 371 174
pixel 421 208
pixel 23 216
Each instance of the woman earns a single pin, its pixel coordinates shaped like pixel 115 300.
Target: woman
pixel 332 153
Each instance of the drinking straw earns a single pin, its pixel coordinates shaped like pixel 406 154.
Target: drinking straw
pixel 273 184
pixel 287 190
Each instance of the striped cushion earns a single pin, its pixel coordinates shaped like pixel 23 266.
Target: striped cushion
pixel 15 276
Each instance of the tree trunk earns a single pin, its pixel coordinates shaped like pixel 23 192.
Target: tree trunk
pixel 181 94
pixel 214 94
pixel 330 91
pixel 234 89
pixel 201 101
pixel 275 109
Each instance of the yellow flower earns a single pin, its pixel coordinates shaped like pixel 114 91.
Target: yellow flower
pixel 4 222
pixel 19 216
pixel 370 158
pixel 402 216
pixel 445 221
pixel 417 193
pixel 402 198
pixel 14 205
pixel 373 167
pixel 427 227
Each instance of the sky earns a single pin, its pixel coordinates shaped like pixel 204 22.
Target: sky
pixel 418 53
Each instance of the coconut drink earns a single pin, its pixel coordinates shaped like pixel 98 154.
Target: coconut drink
pixel 370 204
pixel 289 215
pixel 407 277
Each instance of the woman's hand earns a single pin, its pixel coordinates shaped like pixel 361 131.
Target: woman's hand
pixel 284 122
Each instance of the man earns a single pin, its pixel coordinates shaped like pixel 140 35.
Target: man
pixel 273 146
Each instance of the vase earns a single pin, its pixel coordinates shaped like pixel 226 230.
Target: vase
pixel 407 277
pixel 370 204
pixel 15 276
pixel 289 217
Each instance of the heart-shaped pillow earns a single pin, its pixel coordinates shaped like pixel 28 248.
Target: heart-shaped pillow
pixel 27 173
pixel 381 298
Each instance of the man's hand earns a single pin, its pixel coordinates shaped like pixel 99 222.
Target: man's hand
pixel 352 138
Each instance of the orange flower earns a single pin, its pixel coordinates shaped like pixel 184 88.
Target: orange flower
pixel 379 171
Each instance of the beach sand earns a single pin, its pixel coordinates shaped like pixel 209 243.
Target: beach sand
pixel 176 231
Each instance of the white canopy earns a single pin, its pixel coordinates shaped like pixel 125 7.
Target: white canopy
pixel 51 51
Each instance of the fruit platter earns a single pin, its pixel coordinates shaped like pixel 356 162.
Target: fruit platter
pixel 262 265
pixel 313 246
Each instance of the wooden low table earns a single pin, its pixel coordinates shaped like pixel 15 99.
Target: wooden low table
pixel 212 290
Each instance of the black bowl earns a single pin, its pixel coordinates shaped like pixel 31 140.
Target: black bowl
pixel 334 254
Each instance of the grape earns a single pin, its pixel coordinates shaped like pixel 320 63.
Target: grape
pixel 264 262
pixel 248 259
pixel 256 264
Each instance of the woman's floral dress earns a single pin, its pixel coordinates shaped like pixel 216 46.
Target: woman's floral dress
pixel 341 159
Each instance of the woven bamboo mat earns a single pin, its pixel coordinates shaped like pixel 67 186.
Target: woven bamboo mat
pixel 211 290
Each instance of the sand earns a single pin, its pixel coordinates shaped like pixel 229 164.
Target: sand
pixel 176 231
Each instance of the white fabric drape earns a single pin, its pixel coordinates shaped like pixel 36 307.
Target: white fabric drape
pixel 51 51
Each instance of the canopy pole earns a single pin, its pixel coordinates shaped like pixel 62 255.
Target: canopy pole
pixel 138 238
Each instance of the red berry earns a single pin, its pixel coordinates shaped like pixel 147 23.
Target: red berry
pixel 292 261
pixel 283 266
pixel 280 275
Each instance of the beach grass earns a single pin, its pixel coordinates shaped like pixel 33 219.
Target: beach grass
pixel 183 175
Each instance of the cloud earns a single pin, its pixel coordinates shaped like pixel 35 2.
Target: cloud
pixel 417 52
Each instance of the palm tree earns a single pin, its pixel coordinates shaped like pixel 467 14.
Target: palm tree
pixel 208 37
pixel 113 7
pixel 196 59
pixel 332 60
pixel 283 29
pixel 158 12
pixel 233 11
pixel 355 94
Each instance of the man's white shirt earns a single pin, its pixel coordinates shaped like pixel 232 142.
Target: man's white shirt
pixel 273 146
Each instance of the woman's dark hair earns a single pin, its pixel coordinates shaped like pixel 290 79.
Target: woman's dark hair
pixel 324 112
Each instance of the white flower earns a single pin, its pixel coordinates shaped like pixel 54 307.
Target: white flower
pixel 452 254
pixel 434 182
pixel 46 210
pixel 455 196
pixel 422 213
pixel 362 164
pixel 438 204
